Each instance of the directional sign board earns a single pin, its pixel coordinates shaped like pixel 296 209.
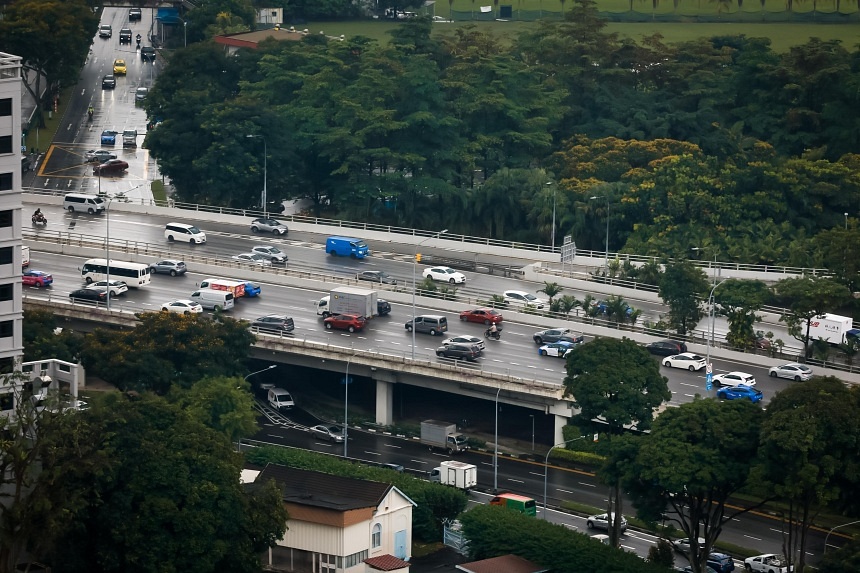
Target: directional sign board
pixel 568 249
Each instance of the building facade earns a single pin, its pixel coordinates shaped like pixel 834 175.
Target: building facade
pixel 11 306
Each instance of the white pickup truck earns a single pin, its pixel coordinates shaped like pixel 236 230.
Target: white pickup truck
pixel 767 563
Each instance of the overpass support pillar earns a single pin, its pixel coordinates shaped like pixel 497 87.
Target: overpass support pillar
pixel 384 402
pixel 560 423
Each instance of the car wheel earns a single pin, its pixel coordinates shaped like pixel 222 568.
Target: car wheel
pixel 91 211
pixel 452 281
pixel 439 353
pixel 352 255
pixel 351 329
pixel 186 313
pixel 217 308
pixel 589 524
pixel 542 352
pixel 332 253
pixel 193 242
pixel 89 281
pixel 538 340
pixel 408 329
pixel 71 209
pixel 163 309
pixel 37 284
pixel 747 566
pixel 692 368
pixel 255 229
pixel 173 273
pixel 666 363
pixel 279 232
pixel 328 325
pixel 797 378
pixel 773 375
pixel 432 332
pixel 463 318
pixel 169 238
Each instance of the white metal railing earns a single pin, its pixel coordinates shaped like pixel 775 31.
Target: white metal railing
pixel 464 239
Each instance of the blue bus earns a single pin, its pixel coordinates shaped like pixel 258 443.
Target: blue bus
pixel 346 247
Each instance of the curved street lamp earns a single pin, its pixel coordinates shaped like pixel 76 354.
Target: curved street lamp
pixel 414 288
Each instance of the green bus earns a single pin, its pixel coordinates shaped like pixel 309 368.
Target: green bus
pixel 521 503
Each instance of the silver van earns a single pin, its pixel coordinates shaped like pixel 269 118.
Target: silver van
pixel 212 299
pixel 280 399
pixel 431 324
pixel 184 232
pixel 83 203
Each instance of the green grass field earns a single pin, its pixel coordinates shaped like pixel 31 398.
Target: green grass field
pixel 783 36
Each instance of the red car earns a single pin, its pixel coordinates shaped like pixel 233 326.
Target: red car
pixel 350 322
pixel 111 166
pixel 36 278
pixel 486 316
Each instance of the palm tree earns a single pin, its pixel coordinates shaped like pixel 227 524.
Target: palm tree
pixel 551 290
pixel 567 303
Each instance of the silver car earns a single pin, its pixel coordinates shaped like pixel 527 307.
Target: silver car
pixel 170 267
pixel 328 433
pixel 268 226
pixel 98 156
pixel 253 259
pixel 465 339
pixel 602 522
pixel 791 371
pixel 274 254
pixel 116 287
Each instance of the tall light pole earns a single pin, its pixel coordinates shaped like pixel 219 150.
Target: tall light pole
pixel 346 408
pixel 606 261
pixel 846 221
pixel 532 416
pixel 184 34
pixel 496 447
pixel 414 287
pixel 710 341
pixel 269 367
pixel 546 467
pixel 265 173
pixel 554 189
pixel 107 241
pixel 832 529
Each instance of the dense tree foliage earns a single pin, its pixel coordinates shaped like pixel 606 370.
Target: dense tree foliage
pixel 463 132
pixel 42 339
pixel 809 444
pixel 682 288
pixel 222 403
pixel 166 350
pixel 494 531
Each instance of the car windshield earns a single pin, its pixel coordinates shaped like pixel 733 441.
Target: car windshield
pixel 530 297
pixel 275 250
pixel 193 230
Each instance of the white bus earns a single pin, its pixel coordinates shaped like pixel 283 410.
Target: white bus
pixel 133 274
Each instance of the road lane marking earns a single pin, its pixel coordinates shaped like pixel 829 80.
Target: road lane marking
pixel 587 484
pixel 751 537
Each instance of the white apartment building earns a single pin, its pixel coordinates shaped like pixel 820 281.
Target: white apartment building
pixel 11 305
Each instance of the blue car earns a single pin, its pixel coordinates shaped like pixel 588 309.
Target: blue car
pixel 252 289
pixel 109 137
pixel 739 393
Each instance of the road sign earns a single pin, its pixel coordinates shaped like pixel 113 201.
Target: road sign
pixel 709 369
pixel 568 251
pixel 709 381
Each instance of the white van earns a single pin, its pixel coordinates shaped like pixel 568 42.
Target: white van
pixel 80 202
pixel 213 299
pixel 184 232
pixel 280 399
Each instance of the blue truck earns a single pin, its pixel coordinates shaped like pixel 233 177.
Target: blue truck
pixel 346 247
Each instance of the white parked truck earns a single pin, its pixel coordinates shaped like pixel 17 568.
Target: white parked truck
pixel 349 300
pixel 830 327
pixel 444 436
pixel 767 563
pixel 456 474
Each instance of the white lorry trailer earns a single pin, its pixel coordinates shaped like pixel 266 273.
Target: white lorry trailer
pixel 443 436
pixel 456 474
pixel 830 327
pixel 349 300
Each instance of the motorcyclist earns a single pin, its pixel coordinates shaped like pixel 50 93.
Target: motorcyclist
pixel 38 217
pixel 138 40
pixel 493 331
pixel 90 112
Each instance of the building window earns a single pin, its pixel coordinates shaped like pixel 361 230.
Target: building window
pixel 5 107
pixel 5 216
pixel 7 328
pixel 354 559
pixel 376 536
pixel 5 181
pixel 6 292
pixel 7 365
pixel 328 563
pixel 7 401
pixel 6 256
pixel 5 144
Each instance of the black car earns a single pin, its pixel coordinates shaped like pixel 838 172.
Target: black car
pixel 147 54
pixel 383 307
pixel 666 347
pixel 109 82
pixel 134 14
pixel 275 322
pixel 459 352
pixel 89 294
pixel 125 36
pixel 376 277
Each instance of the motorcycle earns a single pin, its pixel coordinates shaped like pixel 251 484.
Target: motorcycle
pixel 89 114
pixel 497 335
pixel 138 41
pixel 39 219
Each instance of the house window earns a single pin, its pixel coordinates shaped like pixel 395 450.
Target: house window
pixel 376 536
pixel 5 107
pixel 6 292
pixel 7 402
pixel 354 559
pixel 328 563
pixel 7 365
pixel 7 328
pixel 6 256
pixel 5 181
pixel 5 217
pixel 5 144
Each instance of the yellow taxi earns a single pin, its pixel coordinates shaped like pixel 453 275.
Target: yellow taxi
pixel 119 67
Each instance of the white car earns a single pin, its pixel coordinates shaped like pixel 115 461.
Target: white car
pixel 274 254
pixel 734 379
pixel 444 274
pixel 253 259
pixel 523 298
pixel 116 287
pixel 465 339
pixel 683 545
pixel 685 360
pixel 557 349
pixel 182 307
pixel 602 522
pixel 767 563
pixel 791 371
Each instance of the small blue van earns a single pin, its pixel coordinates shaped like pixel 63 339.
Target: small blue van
pixel 346 247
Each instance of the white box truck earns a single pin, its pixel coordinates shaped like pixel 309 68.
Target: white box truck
pixel 456 474
pixel 830 327
pixel 443 436
pixel 349 300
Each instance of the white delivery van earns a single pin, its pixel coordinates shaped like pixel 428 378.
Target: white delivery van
pixel 280 399
pixel 184 232
pixel 213 299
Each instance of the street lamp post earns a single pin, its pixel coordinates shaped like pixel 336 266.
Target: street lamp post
pixel 832 529
pixel 546 467
pixel 709 341
pixel 496 447
pixel 265 173
pixel 107 241
pixel 184 34
pixel 606 261
pixel 554 189
pixel 346 408
pixel 533 431
pixel 269 367
pixel 414 287
pixel 846 221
